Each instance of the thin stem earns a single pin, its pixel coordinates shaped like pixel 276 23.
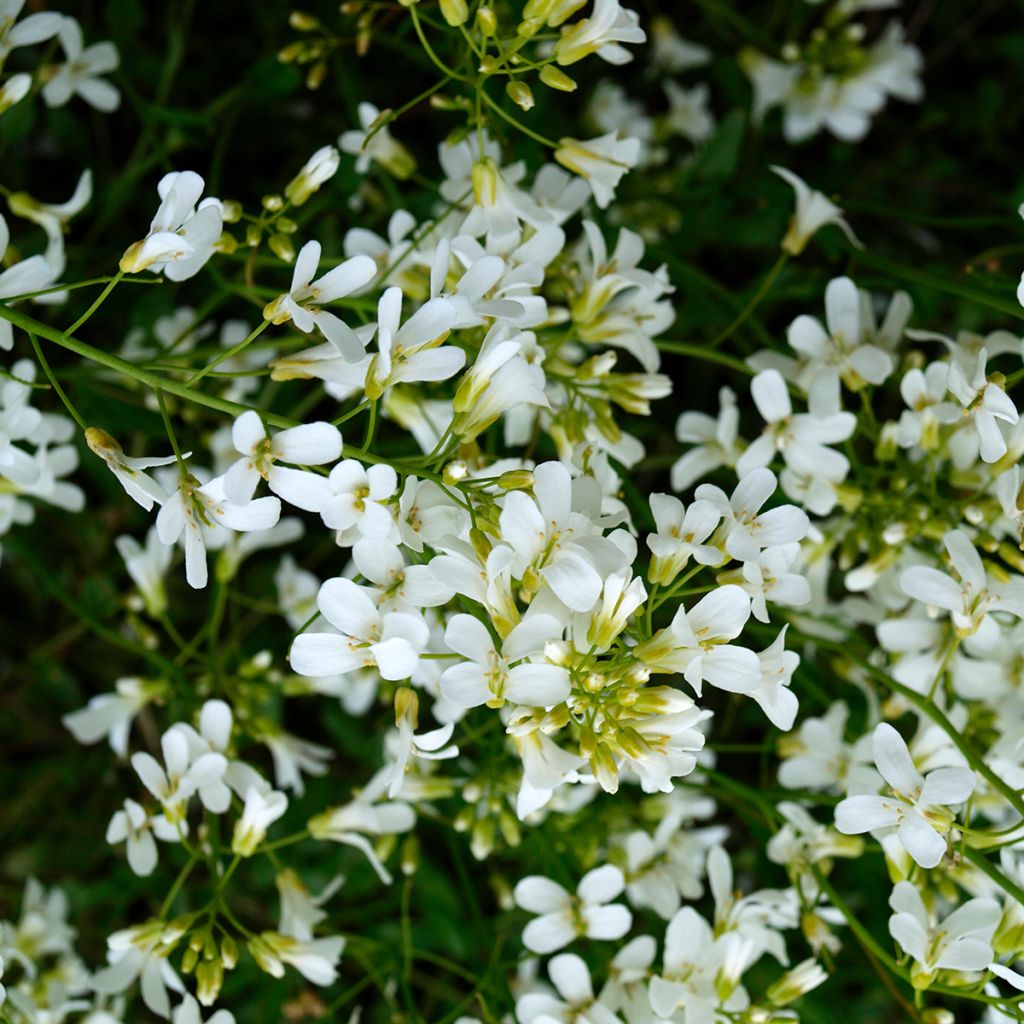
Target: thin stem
pixel 100 299
pixel 169 427
pixel 55 383
pixel 755 301
pixel 518 125
pixel 165 907
pixel 708 354
pixel 227 354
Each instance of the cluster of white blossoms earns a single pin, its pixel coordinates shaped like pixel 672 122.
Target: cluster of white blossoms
pixel 833 80
pixel 529 639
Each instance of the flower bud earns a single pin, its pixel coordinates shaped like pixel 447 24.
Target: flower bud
pixel 281 246
pixel 486 21
pixel 519 93
pixel 303 21
pixel 455 12
pixel 553 78
pixel 319 168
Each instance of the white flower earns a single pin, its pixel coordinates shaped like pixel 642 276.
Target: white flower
pixel 193 508
pixel 924 391
pixel 518 673
pixel 621 595
pixel 602 162
pixel 555 542
pixel 431 745
pixel 696 643
pixel 773 694
pixel 319 168
pixel 802 439
pixel 414 350
pixel 315 959
pixel 817 757
pixel 609 25
pixel 180 776
pixel 402 587
pixel 357 498
pixel 563 916
pixel 391 642
pixel 139 954
pixel 111 714
pixel 300 911
pixel 680 537
pixel 53 218
pixel 312 444
pixel 477 295
pixel 364 816
pixel 715 439
pixel 261 810
pixel 128 470
pixel 751 530
pixel 147 565
pixel 577 1005
pixel 670 743
pixel 803 841
pixel 382 146
pixel 688 113
pixel 292 756
pixel 970 599
pixel 670 52
pixel 36 28
pixel 919 807
pixel 301 303
pixel 181 236
pixel 813 212
pixel 769 577
pixel 961 942
pixel 214 736
pixel 690 961
pixel 842 100
pixel 986 401
pixel 26 276
pixel 499 381
pixel 79 74
pixel 841 353
pixel 138 828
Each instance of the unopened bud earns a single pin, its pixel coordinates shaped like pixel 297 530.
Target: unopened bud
pixel 519 93
pixel 231 211
pixel 303 21
pixel 555 79
pixel 281 246
pixel 516 480
pixel 455 12
pixel 486 21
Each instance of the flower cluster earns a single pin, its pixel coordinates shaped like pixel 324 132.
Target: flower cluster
pixel 417 596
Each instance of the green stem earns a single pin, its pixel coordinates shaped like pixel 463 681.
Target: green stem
pixel 169 427
pixel 165 907
pixel 227 354
pixel 755 301
pixel 100 299
pixel 708 354
pixel 518 125
pixel 55 384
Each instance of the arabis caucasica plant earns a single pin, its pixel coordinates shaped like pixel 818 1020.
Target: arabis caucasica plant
pixel 488 534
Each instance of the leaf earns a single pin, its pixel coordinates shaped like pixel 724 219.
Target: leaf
pixel 720 156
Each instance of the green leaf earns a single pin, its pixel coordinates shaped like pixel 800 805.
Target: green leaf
pixel 720 156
